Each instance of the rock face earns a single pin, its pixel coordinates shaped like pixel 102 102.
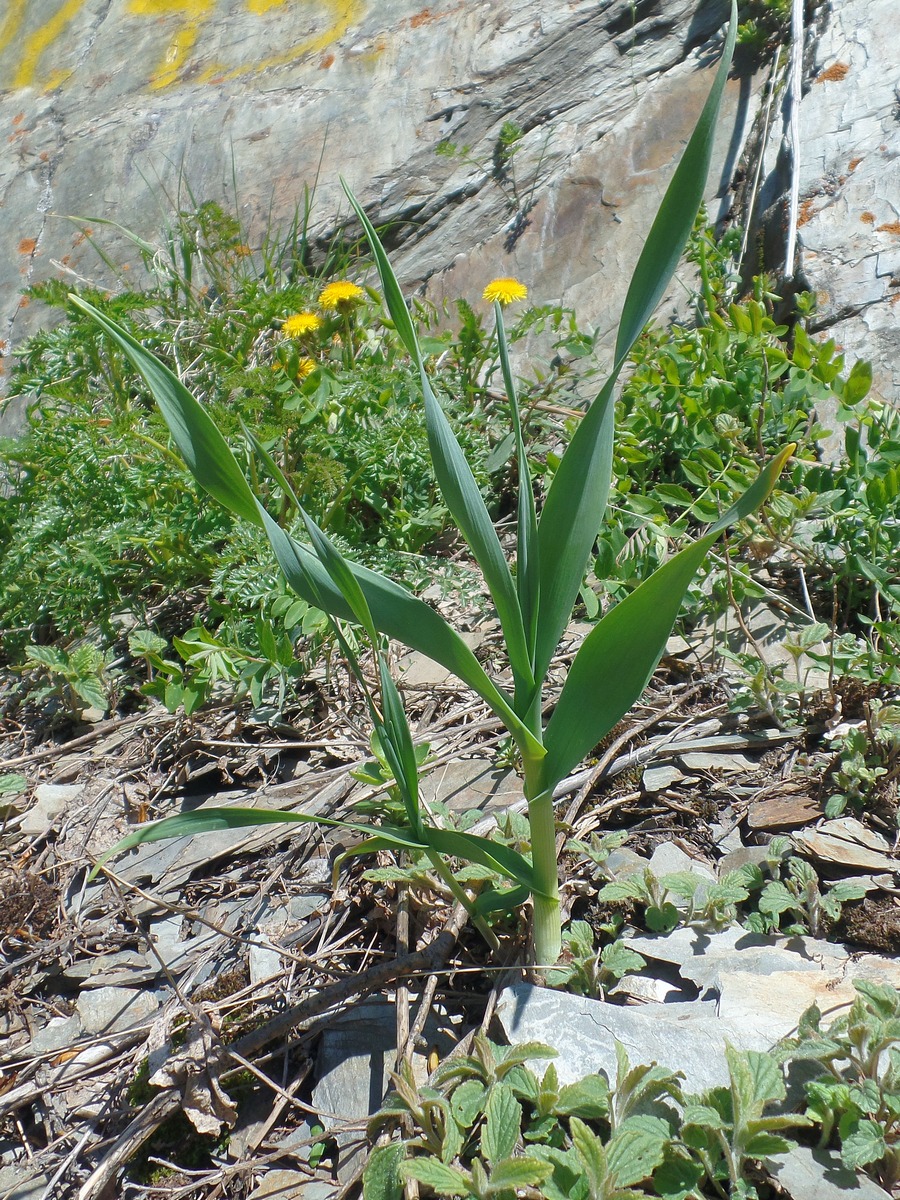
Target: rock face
pixel 849 219
pixel 113 111
pixel 123 111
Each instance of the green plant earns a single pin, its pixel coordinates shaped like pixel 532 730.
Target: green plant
pixel 79 678
pixel 587 971
pixel 487 1124
pixel 869 757
pixel 533 603
pixel 857 1098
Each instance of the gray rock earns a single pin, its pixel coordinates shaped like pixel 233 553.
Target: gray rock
pixel 668 859
pixel 704 957
pixel 19 1183
pixel 356 1054
pixel 291 1185
pixel 804 1173
pixel 58 1034
pixel 726 764
pixel 684 1037
pixel 51 800
pixel 471 783
pixel 657 779
pixel 112 99
pixel 107 1009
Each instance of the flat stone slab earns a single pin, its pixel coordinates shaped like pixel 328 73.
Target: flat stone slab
pixel 806 1173
pixel 107 1009
pixel 683 1037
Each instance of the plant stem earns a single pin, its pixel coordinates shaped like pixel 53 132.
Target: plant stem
pixel 459 893
pixel 547 920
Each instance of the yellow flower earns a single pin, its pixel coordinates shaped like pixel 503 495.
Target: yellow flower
pixel 305 366
pixel 340 293
pixel 300 323
pixel 505 291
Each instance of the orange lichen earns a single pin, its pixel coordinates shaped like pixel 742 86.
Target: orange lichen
pixel 833 74
pixel 890 227
pixel 853 164
pixel 24 302
pixel 807 212
pixel 27 246
pixel 867 218
pixel 326 61
pixel 18 119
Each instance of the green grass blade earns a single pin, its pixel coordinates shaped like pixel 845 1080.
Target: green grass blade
pixel 393 295
pixel 576 502
pixel 212 820
pixel 493 855
pixel 570 521
pixel 620 654
pixel 399 615
pixel 397 743
pixel 615 663
pixel 466 504
pixel 395 611
pixel 528 583
pixel 200 443
pixel 454 475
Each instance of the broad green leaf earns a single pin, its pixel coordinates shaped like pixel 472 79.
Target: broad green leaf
pixel 864 1145
pixel 619 655
pixel 568 1181
pixel 527 566
pixel 762 1145
pixel 591 1154
pixel 575 504
pixel 481 850
pixel 677 1177
pixel 193 430
pixel 756 1079
pixel 440 1177
pixel 381 1180
pixel 503 1119
pixel 675 218
pixel 396 612
pixel 517 1173
pixel 506 900
pixel 587 1098
pixel 615 663
pixel 454 475
pixel 208 820
pixel 775 899
pixel 570 521
pixel 467 1102
pixel 634 1154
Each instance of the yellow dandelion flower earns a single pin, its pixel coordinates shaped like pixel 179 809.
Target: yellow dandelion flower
pixel 340 293
pixel 505 291
pixel 300 324
pixel 305 366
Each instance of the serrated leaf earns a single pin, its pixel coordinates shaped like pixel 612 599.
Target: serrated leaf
pixel 591 1155
pixel 633 1154
pixel 619 960
pixel 763 1145
pixel 587 1098
pixel 503 1120
pixel 677 1177
pixel 518 1173
pixel 381 1179
pixel 440 1177
pixel 864 1145
pixel 467 1101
